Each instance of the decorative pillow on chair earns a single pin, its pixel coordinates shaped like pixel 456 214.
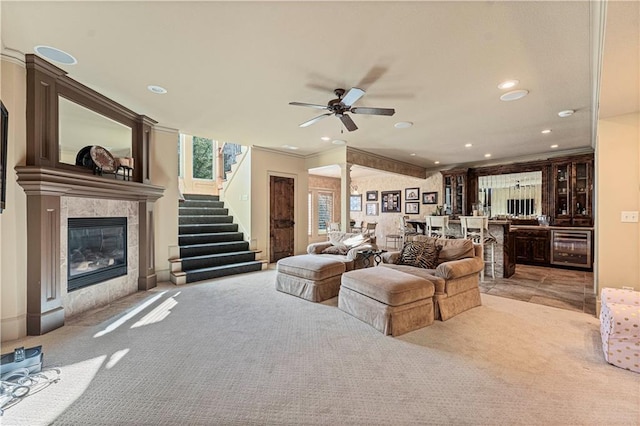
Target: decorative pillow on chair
pixel 337 249
pixel 428 258
pixel 421 254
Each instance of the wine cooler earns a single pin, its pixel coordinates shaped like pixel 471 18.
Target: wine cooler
pixel 571 248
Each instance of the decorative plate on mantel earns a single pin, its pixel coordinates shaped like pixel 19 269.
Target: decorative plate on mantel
pixel 103 159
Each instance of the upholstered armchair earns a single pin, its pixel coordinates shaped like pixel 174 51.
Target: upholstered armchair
pixel 454 273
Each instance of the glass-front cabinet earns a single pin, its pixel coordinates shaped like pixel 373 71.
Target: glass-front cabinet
pixel 573 192
pixel 454 185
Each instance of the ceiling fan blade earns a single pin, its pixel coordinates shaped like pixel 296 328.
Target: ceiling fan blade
pixel 348 122
pixel 313 120
pixel 374 111
pixel 352 96
pixel 308 105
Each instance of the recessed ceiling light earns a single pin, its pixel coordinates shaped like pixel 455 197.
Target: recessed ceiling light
pixel 546 131
pixel 436 162
pixel 468 145
pixel 566 113
pixel 487 155
pixel 339 142
pixel 157 89
pixel 554 146
pixel 403 124
pixel 508 84
pixel 290 147
pixel 55 55
pixel 514 95
pixel 413 154
pixel 325 138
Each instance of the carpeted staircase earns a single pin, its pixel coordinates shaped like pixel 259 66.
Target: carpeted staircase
pixel 210 244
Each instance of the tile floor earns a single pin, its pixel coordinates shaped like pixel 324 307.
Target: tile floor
pixel 560 288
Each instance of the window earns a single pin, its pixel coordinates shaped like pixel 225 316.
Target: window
pixel 202 158
pixel 320 209
pixel 310 213
pixel 325 210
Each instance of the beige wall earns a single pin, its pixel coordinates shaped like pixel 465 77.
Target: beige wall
pixel 164 172
pixel 389 222
pixel 13 220
pixel 237 195
pixel 266 163
pixel 617 189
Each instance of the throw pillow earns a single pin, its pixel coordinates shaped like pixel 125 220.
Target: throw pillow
pixel 338 249
pixel 428 258
pixel 410 252
pixel 354 241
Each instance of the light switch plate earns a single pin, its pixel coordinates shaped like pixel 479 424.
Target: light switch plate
pixel 629 216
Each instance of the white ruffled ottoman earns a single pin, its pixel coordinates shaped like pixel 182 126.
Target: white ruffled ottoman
pixel 620 327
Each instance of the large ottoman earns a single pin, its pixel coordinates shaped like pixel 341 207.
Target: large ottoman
pixel 620 327
pixel 311 277
pixel 391 301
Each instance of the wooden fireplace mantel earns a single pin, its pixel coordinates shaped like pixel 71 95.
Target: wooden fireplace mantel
pixel 44 187
pixel 58 182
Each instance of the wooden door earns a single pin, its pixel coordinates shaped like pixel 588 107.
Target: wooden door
pixel 281 217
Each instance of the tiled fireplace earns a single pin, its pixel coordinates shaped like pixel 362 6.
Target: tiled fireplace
pixel 96 252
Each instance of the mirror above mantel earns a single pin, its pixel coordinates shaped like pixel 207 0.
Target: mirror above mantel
pixel 64 116
pixel 79 127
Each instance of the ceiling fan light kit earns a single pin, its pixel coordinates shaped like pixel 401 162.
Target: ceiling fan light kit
pixel 341 106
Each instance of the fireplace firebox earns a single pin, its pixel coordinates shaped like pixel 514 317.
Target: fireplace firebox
pixel 97 250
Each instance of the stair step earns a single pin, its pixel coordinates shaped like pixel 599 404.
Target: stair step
pixel 201 197
pixel 203 211
pixel 213 248
pixel 197 228
pixel 207 219
pixel 209 237
pixel 220 259
pixel 195 219
pixel 221 271
pixel 202 203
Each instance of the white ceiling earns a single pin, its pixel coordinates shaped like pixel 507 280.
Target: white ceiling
pixel 231 68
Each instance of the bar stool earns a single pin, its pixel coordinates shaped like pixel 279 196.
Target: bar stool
pixel 408 230
pixel 437 226
pixel 476 228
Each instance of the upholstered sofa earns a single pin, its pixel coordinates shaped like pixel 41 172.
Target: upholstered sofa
pixel 346 247
pixel 454 275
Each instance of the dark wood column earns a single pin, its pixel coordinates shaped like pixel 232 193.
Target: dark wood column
pixel 44 303
pixel 147 278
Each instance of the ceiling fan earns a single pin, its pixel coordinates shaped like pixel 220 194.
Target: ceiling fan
pixel 343 104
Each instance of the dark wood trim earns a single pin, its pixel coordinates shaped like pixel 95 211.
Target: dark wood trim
pixel 58 182
pixel 378 162
pixel 45 82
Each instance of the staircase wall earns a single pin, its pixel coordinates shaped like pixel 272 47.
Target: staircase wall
pixel 164 170
pixel 237 193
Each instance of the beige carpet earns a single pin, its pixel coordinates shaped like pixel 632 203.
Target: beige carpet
pixel 235 351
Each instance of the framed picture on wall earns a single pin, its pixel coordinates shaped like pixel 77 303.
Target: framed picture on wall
pixel 372 209
pixel 355 203
pixel 4 130
pixel 412 194
pixel 412 208
pixel 391 202
pixel 372 195
pixel 429 198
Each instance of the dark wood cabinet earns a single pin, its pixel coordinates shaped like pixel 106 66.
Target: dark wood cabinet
pixel 532 247
pixel 572 192
pixel 454 190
